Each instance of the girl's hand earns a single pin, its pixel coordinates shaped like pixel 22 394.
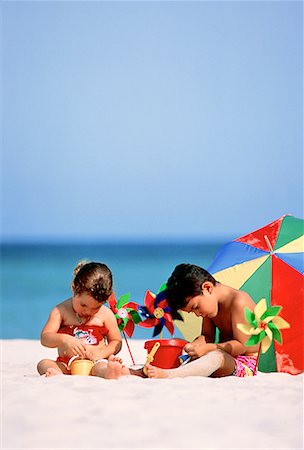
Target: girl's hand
pixel 73 346
pixel 93 353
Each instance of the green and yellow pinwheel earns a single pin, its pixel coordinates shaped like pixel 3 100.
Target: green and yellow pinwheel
pixel 263 325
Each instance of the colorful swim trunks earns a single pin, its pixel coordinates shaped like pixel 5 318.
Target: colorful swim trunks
pixel 245 366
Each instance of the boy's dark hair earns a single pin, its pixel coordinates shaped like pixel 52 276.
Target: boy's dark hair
pixel 184 283
pixel 94 278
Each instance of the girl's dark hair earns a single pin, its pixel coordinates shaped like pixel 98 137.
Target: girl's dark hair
pixel 93 278
pixel 184 283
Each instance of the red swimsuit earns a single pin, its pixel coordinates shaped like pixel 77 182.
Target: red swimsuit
pixel 93 334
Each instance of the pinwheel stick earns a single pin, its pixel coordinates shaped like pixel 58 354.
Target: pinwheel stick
pixel 128 347
pixel 258 357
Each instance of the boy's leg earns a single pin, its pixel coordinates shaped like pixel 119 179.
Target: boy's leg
pixel 227 368
pixel 216 363
pixel 50 368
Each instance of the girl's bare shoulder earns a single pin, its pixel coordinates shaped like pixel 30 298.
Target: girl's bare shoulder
pixel 64 308
pixel 65 305
pixel 105 311
pixel 101 316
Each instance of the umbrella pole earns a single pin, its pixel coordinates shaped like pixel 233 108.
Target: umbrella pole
pixel 268 243
pixel 257 361
pixel 128 347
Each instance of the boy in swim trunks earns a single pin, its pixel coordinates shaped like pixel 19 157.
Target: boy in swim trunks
pixel 82 325
pixel 192 289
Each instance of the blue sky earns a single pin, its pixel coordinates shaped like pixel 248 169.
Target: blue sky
pixel 150 120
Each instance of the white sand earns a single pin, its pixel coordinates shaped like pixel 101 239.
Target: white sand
pixel 77 412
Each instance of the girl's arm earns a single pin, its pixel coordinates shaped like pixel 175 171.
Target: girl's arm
pixel 51 338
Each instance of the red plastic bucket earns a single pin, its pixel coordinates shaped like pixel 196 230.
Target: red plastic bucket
pixel 167 355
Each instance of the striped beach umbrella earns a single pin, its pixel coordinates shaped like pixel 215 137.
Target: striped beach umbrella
pixel 268 263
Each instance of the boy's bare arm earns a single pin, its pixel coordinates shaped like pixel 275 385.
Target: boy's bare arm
pixel 208 330
pixel 242 301
pixel 234 346
pixel 200 347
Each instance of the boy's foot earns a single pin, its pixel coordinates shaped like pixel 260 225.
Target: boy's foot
pixel 51 372
pixel 115 369
pixel 155 372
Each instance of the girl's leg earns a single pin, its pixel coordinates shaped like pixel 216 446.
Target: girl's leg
pixel 99 369
pixel 216 363
pixel 50 368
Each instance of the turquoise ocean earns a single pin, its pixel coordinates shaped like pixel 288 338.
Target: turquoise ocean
pixel 35 277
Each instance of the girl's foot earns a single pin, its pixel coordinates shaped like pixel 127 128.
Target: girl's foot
pixel 51 372
pixel 115 369
pixel 155 372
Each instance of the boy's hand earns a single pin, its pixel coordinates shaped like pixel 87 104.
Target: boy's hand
pixel 197 348
pixel 73 346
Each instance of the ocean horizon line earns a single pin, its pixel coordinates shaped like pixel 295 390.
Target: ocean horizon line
pixel 116 242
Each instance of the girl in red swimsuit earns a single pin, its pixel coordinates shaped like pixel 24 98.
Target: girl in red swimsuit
pixel 82 325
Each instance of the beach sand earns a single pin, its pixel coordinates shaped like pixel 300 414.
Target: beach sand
pixel 65 412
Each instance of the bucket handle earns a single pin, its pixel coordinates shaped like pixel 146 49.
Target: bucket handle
pixel 72 359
